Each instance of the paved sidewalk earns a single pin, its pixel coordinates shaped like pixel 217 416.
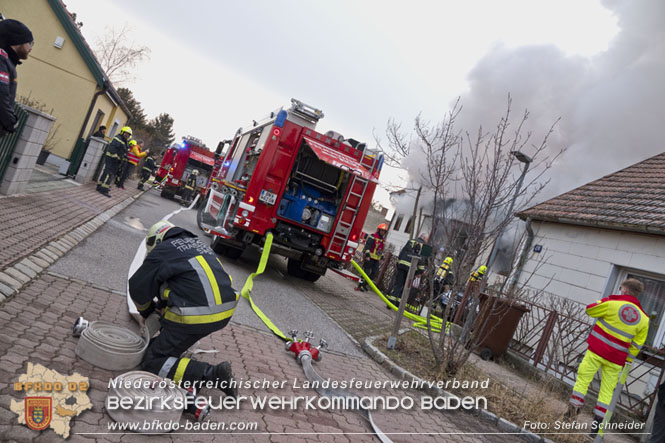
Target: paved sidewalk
pixel 36 327
pixel 30 221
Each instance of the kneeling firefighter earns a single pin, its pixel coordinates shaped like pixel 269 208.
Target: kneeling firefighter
pixel 195 299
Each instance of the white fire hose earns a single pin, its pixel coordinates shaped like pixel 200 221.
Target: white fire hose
pixel 111 347
pixel 305 359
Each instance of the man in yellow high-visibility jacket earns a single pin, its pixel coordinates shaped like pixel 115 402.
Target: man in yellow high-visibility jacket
pixel 620 331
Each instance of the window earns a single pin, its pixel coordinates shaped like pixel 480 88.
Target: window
pixel 409 225
pixel 113 130
pixel 652 301
pixel 96 122
pixel 398 223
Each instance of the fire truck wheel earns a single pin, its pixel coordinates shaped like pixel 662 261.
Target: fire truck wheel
pixel 293 268
pixel 311 276
pixel 233 253
pixel 217 245
pixel 166 194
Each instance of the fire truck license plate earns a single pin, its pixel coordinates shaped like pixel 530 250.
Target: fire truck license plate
pixel 268 197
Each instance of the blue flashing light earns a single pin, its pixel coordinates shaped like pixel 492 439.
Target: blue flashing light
pixel 281 118
pixel 380 162
pixel 228 162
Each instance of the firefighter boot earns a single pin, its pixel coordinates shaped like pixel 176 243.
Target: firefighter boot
pixel 595 425
pixel 223 374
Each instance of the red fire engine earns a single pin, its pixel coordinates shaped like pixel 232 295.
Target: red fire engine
pixel 178 163
pixel 311 190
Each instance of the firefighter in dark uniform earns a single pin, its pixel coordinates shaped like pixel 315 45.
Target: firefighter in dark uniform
pixel 190 186
pixel 195 299
pixel 373 255
pixel 412 247
pixel 115 152
pixel 147 170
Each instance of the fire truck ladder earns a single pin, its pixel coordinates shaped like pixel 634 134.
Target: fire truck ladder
pixel 348 216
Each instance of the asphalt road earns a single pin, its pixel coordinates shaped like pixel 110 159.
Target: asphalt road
pixel 104 259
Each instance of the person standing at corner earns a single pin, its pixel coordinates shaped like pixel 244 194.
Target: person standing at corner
pixel 16 42
pixel 134 155
pixel 195 299
pixel 373 255
pixel 101 132
pixel 115 152
pixel 619 333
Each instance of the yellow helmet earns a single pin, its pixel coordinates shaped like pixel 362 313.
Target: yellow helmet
pixel 448 260
pixel 126 129
pixel 156 234
pixel 482 269
pixel 132 142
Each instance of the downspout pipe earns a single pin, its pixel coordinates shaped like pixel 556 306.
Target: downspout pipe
pixel 523 254
pixel 104 89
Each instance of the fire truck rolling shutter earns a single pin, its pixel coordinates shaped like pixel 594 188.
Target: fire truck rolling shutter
pixel 336 158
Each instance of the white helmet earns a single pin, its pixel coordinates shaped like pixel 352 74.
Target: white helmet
pixel 195 172
pixel 156 234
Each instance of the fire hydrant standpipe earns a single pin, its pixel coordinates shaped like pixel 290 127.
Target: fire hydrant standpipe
pixel 303 350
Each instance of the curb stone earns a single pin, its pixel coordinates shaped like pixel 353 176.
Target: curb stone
pixel 25 269
pixel 501 423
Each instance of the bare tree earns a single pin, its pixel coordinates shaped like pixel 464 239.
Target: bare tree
pixel 471 180
pixel 118 55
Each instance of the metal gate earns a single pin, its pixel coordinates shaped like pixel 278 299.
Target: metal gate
pixel 76 158
pixel 8 142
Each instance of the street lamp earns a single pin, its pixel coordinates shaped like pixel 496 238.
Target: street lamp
pixel 523 158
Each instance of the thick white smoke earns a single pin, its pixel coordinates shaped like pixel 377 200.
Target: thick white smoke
pixel 612 105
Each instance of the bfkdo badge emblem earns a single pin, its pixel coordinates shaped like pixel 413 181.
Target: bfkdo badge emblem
pixel 38 412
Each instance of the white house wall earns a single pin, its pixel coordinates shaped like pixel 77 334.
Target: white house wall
pixel 577 261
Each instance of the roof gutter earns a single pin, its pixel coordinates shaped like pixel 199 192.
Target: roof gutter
pixel 644 229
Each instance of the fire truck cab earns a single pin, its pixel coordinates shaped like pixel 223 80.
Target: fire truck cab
pixel 178 163
pixel 311 190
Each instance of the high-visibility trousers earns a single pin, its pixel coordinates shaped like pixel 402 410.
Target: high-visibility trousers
pixel 609 377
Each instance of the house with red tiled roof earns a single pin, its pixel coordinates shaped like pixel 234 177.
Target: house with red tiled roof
pixel 584 243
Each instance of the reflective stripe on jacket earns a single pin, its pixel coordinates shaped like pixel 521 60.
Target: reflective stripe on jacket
pixel 191 182
pixel 135 154
pixel 374 246
pixel 117 148
pixel 185 275
pixel 412 247
pixel 621 328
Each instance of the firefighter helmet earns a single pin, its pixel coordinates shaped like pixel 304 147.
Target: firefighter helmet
pixel 482 270
pixel 126 129
pixel 195 172
pixel 382 226
pixel 132 142
pixel 156 233
pixel 448 260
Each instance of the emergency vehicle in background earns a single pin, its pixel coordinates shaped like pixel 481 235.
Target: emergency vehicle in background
pixel 178 163
pixel 311 190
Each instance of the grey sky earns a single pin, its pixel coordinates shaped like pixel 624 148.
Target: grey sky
pixel 216 65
